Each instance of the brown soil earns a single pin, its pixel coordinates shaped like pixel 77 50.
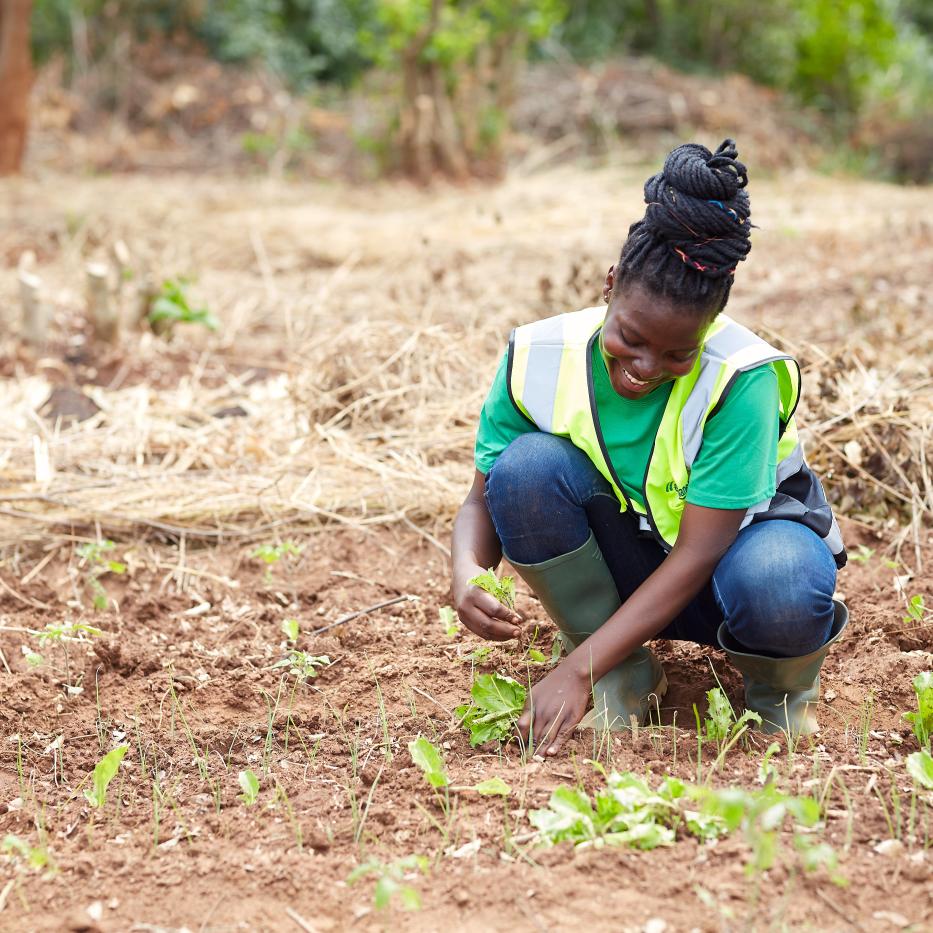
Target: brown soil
pixel 184 671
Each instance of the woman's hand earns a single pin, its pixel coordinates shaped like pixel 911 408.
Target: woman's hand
pixel 555 706
pixel 482 613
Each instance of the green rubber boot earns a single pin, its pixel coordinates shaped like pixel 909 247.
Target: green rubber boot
pixel 579 594
pixel 784 691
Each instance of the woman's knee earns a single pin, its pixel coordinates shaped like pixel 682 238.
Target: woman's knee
pixel 775 589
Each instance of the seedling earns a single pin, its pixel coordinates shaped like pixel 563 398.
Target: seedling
pixel 63 634
pixel 503 590
pixel 915 610
pixel 480 654
pixel 301 664
pixel 497 703
pixel 766 770
pixel 448 621
pixel 391 880
pixel 104 772
pixel 291 629
pixel 863 555
pixel 920 768
pixel 249 784
pixel 721 726
pixel 94 554
pixel 37 857
pixel 172 306
pixel 271 554
pixel 429 758
pixel 922 720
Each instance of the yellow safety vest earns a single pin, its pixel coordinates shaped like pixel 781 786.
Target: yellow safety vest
pixel 550 380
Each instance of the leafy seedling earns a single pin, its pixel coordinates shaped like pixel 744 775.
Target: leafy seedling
pixel 448 621
pixel 104 772
pixel 249 784
pixel 271 554
pixel 302 665
pixel 172 306
pixel 94 554
pixel 480 654
pixel 920 768
pixel 497 703
pixel 430 760
pixel 922 720
pixel 291 629
pixel 915 610
pixel 721 725
pixel 391 880
pixel 61 634
pixel 503 590
pixel 37 857
pixel 863 555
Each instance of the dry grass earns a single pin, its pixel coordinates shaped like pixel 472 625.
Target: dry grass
pixel 361 329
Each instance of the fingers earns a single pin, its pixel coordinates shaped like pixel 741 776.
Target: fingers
pixel 543 732
pixel 485 616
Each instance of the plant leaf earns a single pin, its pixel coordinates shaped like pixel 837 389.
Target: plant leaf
pixel 104 772
pixel 493 787
pixel 250 785
pixel 427 757
pixel 920 768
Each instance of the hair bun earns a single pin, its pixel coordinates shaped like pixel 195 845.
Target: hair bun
pixel 698 205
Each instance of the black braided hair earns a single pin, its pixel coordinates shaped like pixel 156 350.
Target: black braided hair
pixel 695 229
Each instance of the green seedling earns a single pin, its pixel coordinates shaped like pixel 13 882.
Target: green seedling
pixel 172 306
pixel 449 621
pixel 863 555
pixel 430 760
pixel 391 880
pixel 503 590
pixel 497 703
pixel 915 610
pixel 271 554
pixel 37 857
pixel 94 555
pixel 62 634
pixel 722 726
pixel 291 629
pixel 249 784
pixel 302 665
pixel 104 772
pixel 922 720
pixel 767 772
pixel 480 654
pixel 920 768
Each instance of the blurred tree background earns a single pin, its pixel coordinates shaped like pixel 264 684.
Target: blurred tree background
pixel 863 68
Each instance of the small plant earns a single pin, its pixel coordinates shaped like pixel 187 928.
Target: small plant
pixel 922 720
pixel 62 634
pixel 301 664
pixel 94 555
pixel 291 629
pixel 497 703
pixel 271 554
pixel 721 726
pixel 863 555
pixel 449 623
pixel 920 768
pixel 249 784
pixel 479 654
pixel 503 590
pixel 391 880
pixel 104 772
pixel 429 759
pixel 172 306
pixel 37 857
pixel 915 610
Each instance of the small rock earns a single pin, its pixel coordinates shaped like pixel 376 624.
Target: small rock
pixel 95 911
pixel 655 925
pixel 461 898
pixel 889 847
pixel 898 920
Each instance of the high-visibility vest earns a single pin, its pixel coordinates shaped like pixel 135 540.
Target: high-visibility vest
pixel 550 380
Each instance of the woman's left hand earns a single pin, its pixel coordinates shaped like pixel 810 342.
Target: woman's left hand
pixel 555 706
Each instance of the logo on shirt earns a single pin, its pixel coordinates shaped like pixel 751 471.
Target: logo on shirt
pixel 680 490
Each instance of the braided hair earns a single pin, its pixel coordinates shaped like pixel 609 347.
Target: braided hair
pixel 695 230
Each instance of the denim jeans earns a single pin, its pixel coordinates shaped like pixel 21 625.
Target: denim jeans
pixel 773 587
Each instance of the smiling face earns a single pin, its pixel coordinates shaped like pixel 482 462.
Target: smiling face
pixel 647 341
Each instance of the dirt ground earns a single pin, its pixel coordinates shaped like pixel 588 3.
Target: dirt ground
pixel 316 286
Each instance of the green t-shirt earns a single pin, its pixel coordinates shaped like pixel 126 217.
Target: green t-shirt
pixel 734 469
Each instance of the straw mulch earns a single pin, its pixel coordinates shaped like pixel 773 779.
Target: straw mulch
pixel 361 330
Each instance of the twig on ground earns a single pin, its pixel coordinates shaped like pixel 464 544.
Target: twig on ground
pixel 408 597
pixel 297 918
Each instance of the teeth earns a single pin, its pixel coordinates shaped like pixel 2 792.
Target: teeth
pixel 632 379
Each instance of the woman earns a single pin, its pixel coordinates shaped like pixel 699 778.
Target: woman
pixel 639 466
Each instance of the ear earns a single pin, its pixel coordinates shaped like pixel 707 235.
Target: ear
pixel 607 285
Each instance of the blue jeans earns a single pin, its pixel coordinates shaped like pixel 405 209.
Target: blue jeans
pixel 773 588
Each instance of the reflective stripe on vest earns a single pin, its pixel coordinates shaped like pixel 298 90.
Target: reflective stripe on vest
pixel 550 380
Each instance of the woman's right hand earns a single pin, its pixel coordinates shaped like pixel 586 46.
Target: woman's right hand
pixel 482 613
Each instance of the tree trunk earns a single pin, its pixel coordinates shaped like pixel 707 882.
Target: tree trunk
pixel 15 81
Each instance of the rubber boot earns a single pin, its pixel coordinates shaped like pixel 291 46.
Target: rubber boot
pixel 784 691
pixel 579 594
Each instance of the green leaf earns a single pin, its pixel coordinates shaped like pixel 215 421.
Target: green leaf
pixel 428 757
pixel 503 590
pixel 291 629
pixel 104 772
pixel 497 703
pixel 448 621
pixel 250 786
pixel 915 610
pixel 922 720
pixel 766 770
pixel 721 715
pixel 920 768
pixel 493 787
pixel 536 657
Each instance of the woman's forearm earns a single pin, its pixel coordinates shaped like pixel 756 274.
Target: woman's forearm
pixel 474 542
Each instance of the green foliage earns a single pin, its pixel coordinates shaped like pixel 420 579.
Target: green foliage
pixel 922 720
pixel 722 726
pixel 94 554
pixel 492 787
pixel 249 784
pixel 428 757
pixel 391 880
pixel 301 664
pixel 915 610
pixel 497 703
pixel 920 768
pixel 271 554
pixel 291 629
pixel 449 621
pixel 37 857
pixel 172 306
pixel 104 772
pixel 503 590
